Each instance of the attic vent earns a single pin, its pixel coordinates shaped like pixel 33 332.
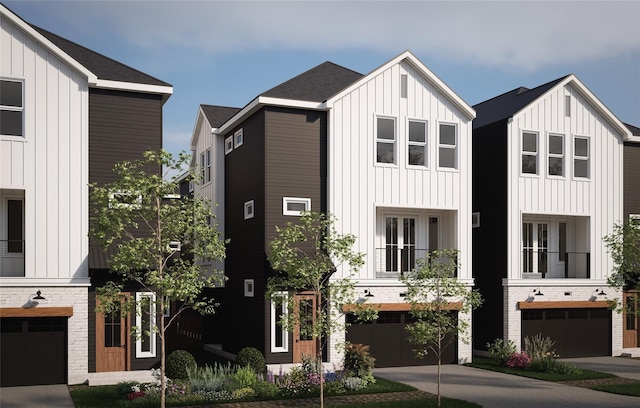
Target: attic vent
pixel 403 85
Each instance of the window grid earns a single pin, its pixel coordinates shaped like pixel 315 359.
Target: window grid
pixel 417 143
pixel 556 155
pixel 447 146
pixel 11 108
pixel 385 140
pixel 529 153
pixel 581 157
pixel 208 165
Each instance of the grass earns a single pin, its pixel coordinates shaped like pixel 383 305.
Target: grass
pixel 632 389
pixel 417 403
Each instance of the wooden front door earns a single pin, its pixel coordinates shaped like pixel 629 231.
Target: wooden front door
pixel 303 342
pixel 111 342
pixel 631 336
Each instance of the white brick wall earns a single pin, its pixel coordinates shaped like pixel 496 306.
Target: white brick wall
pixel 60 296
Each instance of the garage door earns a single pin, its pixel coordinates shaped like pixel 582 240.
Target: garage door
pixel 33 350
pixel 388 344
pixel 577 332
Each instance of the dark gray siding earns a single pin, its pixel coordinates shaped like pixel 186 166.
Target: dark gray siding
pixel 631 179
pixel 490 239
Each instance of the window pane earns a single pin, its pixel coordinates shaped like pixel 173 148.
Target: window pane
pixel 386 129
pixel 295 206
pixel 581 147
pixel 529 164
pixel 555 166
pixel 11 123
pixel 416 155
pixel 581 168
pixel 417 131
pixel 11 93
pixel 145 325
pixel 14 226
pixel 447 157
pixel 529 142
pixel 385 152
pixel 447 135
pixel 555 144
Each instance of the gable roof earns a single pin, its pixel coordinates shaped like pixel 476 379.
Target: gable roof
pixel 422 69
pixel 635 131
pixel 316 84
pixel 218 115
pixel 100 71
pixel 508 104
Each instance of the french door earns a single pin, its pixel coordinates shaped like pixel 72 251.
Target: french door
pixel 402 237
pixel 535 247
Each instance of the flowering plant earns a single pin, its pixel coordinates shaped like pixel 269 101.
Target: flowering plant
pixel 518 360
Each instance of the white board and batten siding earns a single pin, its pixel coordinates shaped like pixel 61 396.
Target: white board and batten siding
pixel 49 164
pixel 599 197
pixel 358 186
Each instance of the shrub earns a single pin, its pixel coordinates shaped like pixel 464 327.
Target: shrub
pixel 518 360
pixel 244 377
pixel 209 379
pixel 296 382
pixel 265 389
pixel 357 360
pixel 501 351
pixel 538 347
pixel 243 393
pixel 549 364
pixel 177 364
pixel 124 388
pixel 252 357
pixel 353 383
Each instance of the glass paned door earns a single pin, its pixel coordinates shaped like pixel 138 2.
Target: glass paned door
pixel 535 246
pixel 400 245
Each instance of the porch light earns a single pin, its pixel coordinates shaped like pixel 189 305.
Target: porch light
pixel 601 293
pixel 537 292
pixel 367 293
pixel 39 296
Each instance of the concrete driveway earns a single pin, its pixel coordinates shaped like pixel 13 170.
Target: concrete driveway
pixel 36 396
pixel 497 390
pixel 620 366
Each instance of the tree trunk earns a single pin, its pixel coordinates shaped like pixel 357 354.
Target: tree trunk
pixel 439 366
pixel 319 352
pixel 163 385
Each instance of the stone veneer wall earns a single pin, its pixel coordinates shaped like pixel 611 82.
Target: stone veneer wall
pixel 77 327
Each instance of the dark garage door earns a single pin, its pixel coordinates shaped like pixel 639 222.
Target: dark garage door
pixel 577 332
pixel 388 343
pixel 33 350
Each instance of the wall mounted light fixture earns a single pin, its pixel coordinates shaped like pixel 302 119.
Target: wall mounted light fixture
pixel 367 293
pixel 537 292
pixel 39 296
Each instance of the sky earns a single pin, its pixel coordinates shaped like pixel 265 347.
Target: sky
pixel 228 52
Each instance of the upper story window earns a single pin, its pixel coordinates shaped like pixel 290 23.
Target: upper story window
pixel 238 139
pixel 417 148
pixel 207 163
pixel 228 145
pixel 581 157
pixel 295 205
pixel 248 209
pixel 125 199
pixel 529 153
pixel 11 108
pixel 556 155
pixel 447 146
pixel 385 140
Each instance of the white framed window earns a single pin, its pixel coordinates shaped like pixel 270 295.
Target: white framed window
pixel 191 186
pixel 125 199
pixel 295 205
pixel 556 155
pixel 145 322
pixel 207 163
pixel 228 145
pixel 581 157
pixel 238 139
pixel 279 334
pixel 202 167
pixel 634 219
pixel 385 140
pixel 417 143
pixel 529 153
pixel 248 210
pixel 11 108
pixel 249 288
pixel 447 146
pixel 475 220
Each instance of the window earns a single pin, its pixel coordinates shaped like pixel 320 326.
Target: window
pixel 581 157
pixel 279 335
pixel 228 145
pixel 295 206
pixel 125 199
pixel 385 140
pixel 207 169
pixel 11 108
pixel 248 210
pixel 529 153
pixel 202 167
pixel 447 148
pixel 535 245
pixel 556 155
pixel 145 322
pixel 15 227
pixel 417 149
pixel 238 139
pixel 248 288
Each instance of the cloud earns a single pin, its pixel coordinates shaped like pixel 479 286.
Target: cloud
pixel 517 35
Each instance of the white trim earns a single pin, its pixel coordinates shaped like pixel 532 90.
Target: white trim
pixel 131 86
pixel 528 153
pixel 238 139
pixel 454 147
pixel 249 209
pixel 295 200
pixel 561 156
pixel 228 145
pixel 393 142
pixel 285 334
pixel 424 145
pixel 249 288
pixel 20 108
pixel 586 158
pixel 151 329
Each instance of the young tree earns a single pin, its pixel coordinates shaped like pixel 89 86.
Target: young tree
pixel 435 293
pixel 134 215
pixel 624 246
pixel 304 255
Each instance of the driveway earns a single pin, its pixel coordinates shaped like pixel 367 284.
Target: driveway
pixel 620 366
pixel 497 390
pixel 36 396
